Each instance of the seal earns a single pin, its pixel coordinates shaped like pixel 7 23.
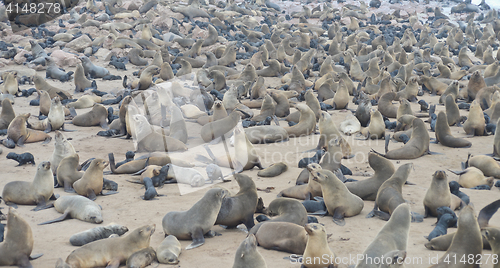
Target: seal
pixel 317 249
pixel 81 82
pixel 472 177
pixel 475 124
pixel 282 104
pixel 20 134
pixel 339 201
pixel 142 258
pixel 7 114
pixel 146 78
pixel 329 131
pixel 197 221
pixel 112 251
pixel 452 112
pixel 152 141
pixel 53 71
pixel 367 189
pixel 41 84
pixel 285 210
pixel 135 56
pixel 443 134
pixel 137 164
pixel 62 148
pixel 417 146
pixel 247 255
pixel 76 207
pixel 282 236
pixel 486 164
pixel 10 84
pixel 240 207
pixel 85 101
pixel 266 134
pixel 217 128
pixel 492 234
pixel 390 193
pixel 274 170
pixel 55 118
pixel 22 159
pixel 92 70
pixel 467 241
pixel 90 184
pixel 476 83
pixel 385 105
pixel 438 194
pixel 169 250
pixel 18 244
pixel 376 127
pixel 96 117
pixel 67 172
pixel 97 233
pixel 393 236
pixel 307 122
pixel 30 193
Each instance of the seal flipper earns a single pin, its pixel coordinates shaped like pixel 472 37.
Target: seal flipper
pixel 24 262
pixel 198 239
pixel 20 141
pixel 109 193
pixel 62 218
pixel 487 212
pixel 40 204
pixel 10 204
pixel 91 194
pixel 48 128
pixel 36 256
pixel 113 264
pixel 338 216
pixel 68 188
pixel 382 215
pixel 372 213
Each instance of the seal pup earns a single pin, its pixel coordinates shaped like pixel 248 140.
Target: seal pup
pixel 443 134
pixel 317 253
pixel 240 207
pixel 247 255
pixel 417 146
pixel 112 251
pixel 393 236
pixel 438 194
pixel 169 250
pixel 367 189
pixel 97 233
pixel 30 193
pixel 339 201
pixel 467 241
pixel 90 184
pixel 141 258
pixel 18 243
pixel 197 221
pixel 76 207
pixel 21 159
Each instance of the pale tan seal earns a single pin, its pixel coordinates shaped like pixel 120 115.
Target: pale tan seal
pixel 339 201
pixel 220 127
pixel 141 258
pixel 329 131
pixel 488 165
pixel 7 114
pixel 67 172
pixel 247 255
pixel 197 221
pixel 307 122
pixel 41 84
pixel 443 134
pixel 317 253
pixel 112 251
pixel 62 148
pixel 77 207
pixel 438 194
pixel 98 116
pixel 393 236
pixel 169 250
pixel 30 193
pixel 475 124
pixel 417 146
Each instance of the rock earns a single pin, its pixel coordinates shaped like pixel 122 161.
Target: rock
pixel 62 58
pixel 80 43
pixel 19 58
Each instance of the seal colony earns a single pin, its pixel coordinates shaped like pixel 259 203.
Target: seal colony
pixel 226 86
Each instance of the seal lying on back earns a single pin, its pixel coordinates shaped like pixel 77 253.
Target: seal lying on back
pixel 197 221
pixel 110 252
pixel 77 207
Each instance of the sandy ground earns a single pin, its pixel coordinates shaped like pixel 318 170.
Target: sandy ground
pixel 127 208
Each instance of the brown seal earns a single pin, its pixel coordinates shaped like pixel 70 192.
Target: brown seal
pixel 317 253
pixel 197 221
pixel 62 149
pixel 393 236
pixel 18 243
pixel 376 128
pixel 7 114
pixel 329 131
pixel 476 83
pixel 274 170
pixel 111 251
pixel 285 210
pixel 30 193
pixel 304 192
pixel 367 189
pixel 385 105
pixel 98 116
pixel 10 84
pixel 282 236
pixel 97 233
pixel 390 193
pixel 146 78
pixel 438 194
pixel 466 242
pixel 229 56
pixel 492 234
pixel 443 134
pixel 152 141
pixel 220 127
pixel 169 250
pixel 240 207
pixel 417 146
pixel 20 134
pixel 247 255
pixel 81 82
pixel 41 84
pixel 90 184
pixel 307 122
pixel 268 108
pixel 266 134
pixel 67 172
pixel 452 112
pixel 339 201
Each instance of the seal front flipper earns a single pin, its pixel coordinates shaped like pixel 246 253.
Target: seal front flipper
pixel 36 256
pixel 338 217
pixel 10 204
pixel 62 218
pixel 40 203
pixel 20 141
pixel 68 188
pixel 113 264
pixel 48 128
pixel 198 239
pixel 91 194
pixel 109 193
pixel 382 215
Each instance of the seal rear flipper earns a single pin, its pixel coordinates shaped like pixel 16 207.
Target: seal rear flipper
pixel 198 239
pixel 24 262
pixel 10 204
pixel 112 165
pixel 461 172
pixel 487 212
pixel 48 128
pixel 40 204
pixel 319 213
pixel 338 217
pixel 67 130
pixel 35 256
pixel 47 140
pixel 20 141
pixel 136 181
pixel 68 187
pixel 62 218
pixel 382 215
pixel 109 193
